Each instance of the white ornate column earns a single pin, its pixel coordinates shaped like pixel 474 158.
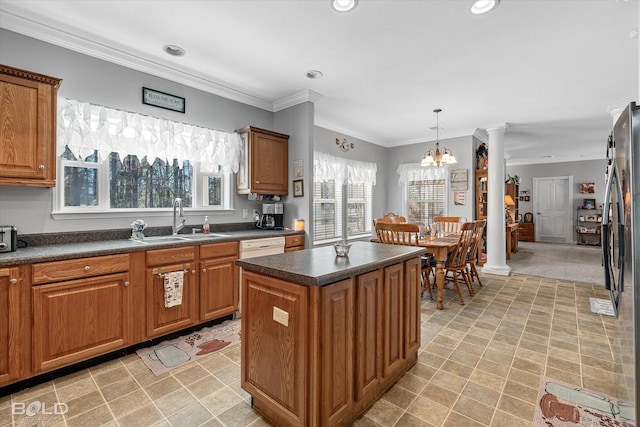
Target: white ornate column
pixel 496 235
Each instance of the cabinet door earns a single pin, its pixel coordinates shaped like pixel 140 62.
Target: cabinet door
pixel 162 320
pixel 78 319
pixel 336 357
pixel 393 321
pixel 368 327
pixel 27 128
pixel 268 158
pixel 9 324
pixel 412 299
pixel 218 288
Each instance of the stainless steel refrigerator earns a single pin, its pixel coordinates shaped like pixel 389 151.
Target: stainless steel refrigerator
pixel 620 244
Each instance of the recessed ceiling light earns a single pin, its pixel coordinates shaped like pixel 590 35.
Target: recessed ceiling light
pixel 174 50
pixel 343 5
pixel 314 74
pixel 480 7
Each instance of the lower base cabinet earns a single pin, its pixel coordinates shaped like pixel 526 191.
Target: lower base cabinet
pixel 12 311
pixel 322 355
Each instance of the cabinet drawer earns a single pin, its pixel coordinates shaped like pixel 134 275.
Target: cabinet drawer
pixel 46 272
pixel 217 250
pixel 169 256
pixel 295 240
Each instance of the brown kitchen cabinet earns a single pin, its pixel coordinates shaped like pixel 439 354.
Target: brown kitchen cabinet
pixel 344 344
pixel 15 332
pixel 218 280
pixel 294 242
pixel 27 128
pixel 162 320
pixel 80 309
pixel 264 167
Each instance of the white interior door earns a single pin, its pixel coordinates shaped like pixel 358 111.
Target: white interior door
pixel 552 207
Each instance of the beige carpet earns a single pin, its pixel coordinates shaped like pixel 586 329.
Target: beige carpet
pixel 576 263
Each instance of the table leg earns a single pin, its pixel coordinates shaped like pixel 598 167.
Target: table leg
pixel 508 244
pixel 441 256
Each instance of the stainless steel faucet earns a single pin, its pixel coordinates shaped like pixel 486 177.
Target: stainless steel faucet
pixel 177 205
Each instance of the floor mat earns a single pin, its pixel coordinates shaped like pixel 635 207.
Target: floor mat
pixel 561 405
pixel 170 354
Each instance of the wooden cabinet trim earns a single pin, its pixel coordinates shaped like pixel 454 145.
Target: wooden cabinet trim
pixel 159 257
pixel 55 271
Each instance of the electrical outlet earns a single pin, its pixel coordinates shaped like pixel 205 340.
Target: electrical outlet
pixel 281 316
pixel 245 213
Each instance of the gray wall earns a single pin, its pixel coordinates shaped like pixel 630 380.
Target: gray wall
pixel 585 171
pixel 89 79
pixel 464 151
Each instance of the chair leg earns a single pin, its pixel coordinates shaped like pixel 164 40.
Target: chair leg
pixel 455 280
pixel 426 285
pixel 474 272
pixel 466 274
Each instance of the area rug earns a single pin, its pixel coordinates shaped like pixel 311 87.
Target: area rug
pixel 170 354
pixel 561 405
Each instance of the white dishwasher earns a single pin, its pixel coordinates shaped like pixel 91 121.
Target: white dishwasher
pixel 255 248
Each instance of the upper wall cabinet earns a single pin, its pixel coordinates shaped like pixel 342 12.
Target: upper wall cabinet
pixel 27 128
pixel 264 166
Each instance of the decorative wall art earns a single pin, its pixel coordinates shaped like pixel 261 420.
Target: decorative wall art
pixel 458 180
pixel 587 188
pixel 589 204
pixel 459 198
pixel 163 100
pixel 298 188
pixel 297 168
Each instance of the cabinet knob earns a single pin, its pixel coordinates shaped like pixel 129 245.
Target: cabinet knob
pixel 126 284
pixel 257 182
pixel 87 268
pixel 41 167
pixel 204 270
pixel 193 271
pixel 13 281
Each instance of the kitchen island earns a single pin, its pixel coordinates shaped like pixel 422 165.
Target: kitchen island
pixel 323 337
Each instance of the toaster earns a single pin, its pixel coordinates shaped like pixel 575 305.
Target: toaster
pixel 8 238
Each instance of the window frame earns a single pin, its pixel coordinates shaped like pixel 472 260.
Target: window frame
pixel 104 211
pixel 405 198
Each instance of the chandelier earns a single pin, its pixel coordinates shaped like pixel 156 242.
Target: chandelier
pixel 435 156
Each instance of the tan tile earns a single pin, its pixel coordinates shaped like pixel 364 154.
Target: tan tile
pixel 145 416
pixel 174 402
pixel 94 417
pixel 493 368
pixel 229 374
pixel 527 365
pixel 110 376
pixel 205 386
pixel 408 420
pixel 190 374
pixel 457 368
pixel 162 388
pixel 119 388
pixel 516 407
pixel 429 411
pixel 147 377
pixel 524 377
pixel 400 397
pixel 233 353
pixel 220 400
pixel 425 371
pixel 528 394
pixel 481 394
pixel 563 365
pixel 84 404
pixel 450 381
pixel 134 364
pixel 384 413
pixel 6 416
pixel 238 415
pixel 487 380
pixel 505 419
pixel 464 358
pixel 412 382
pixel 128 403
pixel 71 378
pixel 458 420
pixel 191 416
pixel 29 394
pixel 75 389
pixel 473 409
pixel 215 362
pixel 441 395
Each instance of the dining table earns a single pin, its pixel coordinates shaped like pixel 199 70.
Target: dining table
pixel 439 247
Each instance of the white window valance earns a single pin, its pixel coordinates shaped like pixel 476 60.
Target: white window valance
pixel 327 167
pixel 85 127
pixel 414 172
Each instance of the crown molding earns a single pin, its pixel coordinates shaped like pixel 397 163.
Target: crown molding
pixel 14 22
pixel 297 98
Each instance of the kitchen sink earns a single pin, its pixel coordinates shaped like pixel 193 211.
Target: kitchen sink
pixel 203 236
pixel 160 239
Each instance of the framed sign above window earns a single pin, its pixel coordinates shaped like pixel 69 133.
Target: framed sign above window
pixel 163 100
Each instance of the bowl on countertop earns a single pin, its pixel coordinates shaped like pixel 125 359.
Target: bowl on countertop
pixel 342 248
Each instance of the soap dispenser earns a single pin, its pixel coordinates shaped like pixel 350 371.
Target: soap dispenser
pixel 205 225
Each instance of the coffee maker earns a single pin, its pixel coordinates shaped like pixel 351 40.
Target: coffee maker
pixel 272 216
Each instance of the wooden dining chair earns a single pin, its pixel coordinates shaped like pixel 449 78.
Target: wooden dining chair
pixel 405 234
pixel 474 249
pixel 390 218
pixel 456 264
pixel 450 224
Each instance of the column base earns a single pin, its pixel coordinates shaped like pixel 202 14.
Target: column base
pixel 501 270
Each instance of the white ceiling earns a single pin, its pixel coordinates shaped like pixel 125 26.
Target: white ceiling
pixel 550 70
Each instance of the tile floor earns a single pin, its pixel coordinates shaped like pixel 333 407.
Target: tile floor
pixel 479 365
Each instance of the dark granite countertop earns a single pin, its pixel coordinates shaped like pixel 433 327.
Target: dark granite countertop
pixel 61 246
pixel 320 266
